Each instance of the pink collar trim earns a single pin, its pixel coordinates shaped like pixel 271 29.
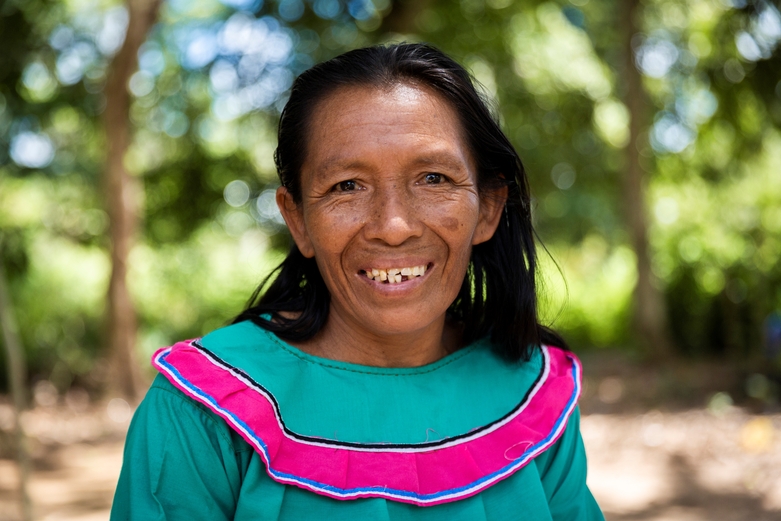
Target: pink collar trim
pixel 421 474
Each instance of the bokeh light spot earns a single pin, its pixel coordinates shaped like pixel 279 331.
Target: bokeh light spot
pixel 563 176
pixel 656 57
pixel 327 9
pixel 118 410
pixel 291 10
pixel 747 47
pixel 236 193
pixel 141 83
pixel 266 209
pixel 666 210
pixel 32 150
pixel 670 135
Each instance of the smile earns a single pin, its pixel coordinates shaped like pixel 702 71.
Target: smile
pixel 395 275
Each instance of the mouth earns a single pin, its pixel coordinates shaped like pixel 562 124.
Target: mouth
pixel 396 275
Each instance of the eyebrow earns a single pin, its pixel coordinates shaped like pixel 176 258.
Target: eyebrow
pixel 341 164
pixel 444 159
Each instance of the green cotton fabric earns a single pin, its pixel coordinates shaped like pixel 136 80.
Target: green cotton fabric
pixel 183 462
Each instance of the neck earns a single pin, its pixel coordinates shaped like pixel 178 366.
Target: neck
pixel 341 341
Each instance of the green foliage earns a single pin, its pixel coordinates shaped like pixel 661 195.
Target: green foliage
pixel 204 106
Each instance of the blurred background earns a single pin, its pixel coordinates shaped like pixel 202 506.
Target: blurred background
pixel 137 209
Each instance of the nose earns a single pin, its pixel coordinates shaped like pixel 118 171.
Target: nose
pixel 394 217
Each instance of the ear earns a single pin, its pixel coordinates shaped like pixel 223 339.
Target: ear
pixel 294 218
pixel 491 208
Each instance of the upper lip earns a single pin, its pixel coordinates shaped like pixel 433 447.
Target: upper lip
pixel 386 264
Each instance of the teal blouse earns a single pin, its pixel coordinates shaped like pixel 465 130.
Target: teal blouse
pixel 200 445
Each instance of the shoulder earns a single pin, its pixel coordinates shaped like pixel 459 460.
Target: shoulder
pixel 166 410
pixel 180 461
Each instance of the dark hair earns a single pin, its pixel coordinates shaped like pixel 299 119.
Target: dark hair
pixel 498 296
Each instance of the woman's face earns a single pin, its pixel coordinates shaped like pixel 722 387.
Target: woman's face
pixel 389 185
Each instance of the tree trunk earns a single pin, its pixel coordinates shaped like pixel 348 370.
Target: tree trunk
pixel 17 374
pixel 122 197
pixel 649 309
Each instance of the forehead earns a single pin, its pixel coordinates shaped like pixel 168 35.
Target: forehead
pixel 354 98
pixel 353 119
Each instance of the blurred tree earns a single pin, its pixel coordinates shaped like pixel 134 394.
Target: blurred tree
pixel 712 71
pixel 122 195
pixel 17 376
pixel 649 309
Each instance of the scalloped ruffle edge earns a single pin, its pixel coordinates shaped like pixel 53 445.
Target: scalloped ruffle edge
pixel 422 474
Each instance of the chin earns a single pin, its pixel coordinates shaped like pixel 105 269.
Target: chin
pixel 402 324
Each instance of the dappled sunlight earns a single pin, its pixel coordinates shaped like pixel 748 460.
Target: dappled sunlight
pixel 688 465
pixel 76 446
pixel 551 55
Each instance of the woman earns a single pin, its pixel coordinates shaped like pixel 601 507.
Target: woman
pixel 395 367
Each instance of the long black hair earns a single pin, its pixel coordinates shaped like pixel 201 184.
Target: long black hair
pixel 499 294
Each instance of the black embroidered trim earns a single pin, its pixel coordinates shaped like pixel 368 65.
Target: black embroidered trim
pixel 383 446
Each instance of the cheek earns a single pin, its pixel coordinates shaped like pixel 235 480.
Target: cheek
pixel 451 224
pixel 455 217
pixel 331 229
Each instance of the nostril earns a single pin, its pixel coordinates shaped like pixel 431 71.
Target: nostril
pixel 394 230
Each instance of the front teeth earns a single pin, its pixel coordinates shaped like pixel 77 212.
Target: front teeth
pixel 396 275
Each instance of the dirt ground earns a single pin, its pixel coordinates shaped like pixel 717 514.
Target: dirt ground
pixel 715 461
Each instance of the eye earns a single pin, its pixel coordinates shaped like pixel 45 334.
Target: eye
pixel 434 179
pixel 345 186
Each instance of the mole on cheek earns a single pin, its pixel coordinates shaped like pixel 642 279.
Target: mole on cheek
pixel 450 223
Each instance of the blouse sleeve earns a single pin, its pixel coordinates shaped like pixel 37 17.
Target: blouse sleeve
pixel 562 469
pixel 179 462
